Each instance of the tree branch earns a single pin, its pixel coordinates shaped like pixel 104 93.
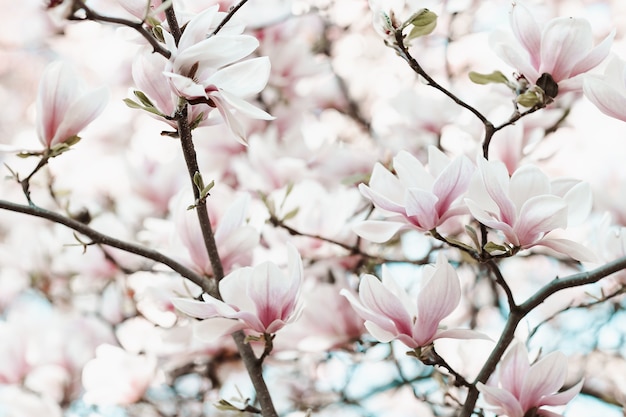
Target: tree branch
pixel 517 314
pixel 102 239
pixel 253 365
pixel 137 26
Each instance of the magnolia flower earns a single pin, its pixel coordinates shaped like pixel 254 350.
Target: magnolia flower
pixel 419 198
pixel 526 207
pixel 390 313
pixel 235 239
pixel 261 298
pixel 563 48
pixel 204 67
pixel 148 76
pixel 63 108
pixel 608 92
pixel 116 377
pixel 520 387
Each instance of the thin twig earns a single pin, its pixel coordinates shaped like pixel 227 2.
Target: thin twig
pixel 229 16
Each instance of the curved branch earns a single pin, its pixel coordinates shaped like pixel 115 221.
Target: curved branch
pixel 517 314
pixel 137 26
pixel 102 239
pixel 402 50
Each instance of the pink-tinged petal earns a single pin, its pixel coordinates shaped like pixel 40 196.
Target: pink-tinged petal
pixel 595 56
pixel 57 90
pixel 543 378
pixel 243 78
pixel 491 221
pixel 437 161
pixel 496 180
pixel 236 248
pixel 569 248
pixel 80 113
pixel 564 397
pixel 377 231
pixel 233 218
pixel 504 400
pixel 579 203
pixel 233 289
pixel 295 273
pixel 527 182
pixel 197 28
pixel 382 201
pixel 243 107
pixel 185 86
pixel 519 61
pixel 527 31
pixel 233 123
pixel 439 296
pixel 384 323
pixel 267 289
pixel 384 183
pixel 379 333
pixel 200 309
pixel 513 369
pixel 460 334
pixel 452 183
pixel 148 76
pixel 378 299
pixel 540 215
pixel 215 52
pixel 607 97
pixel 390 282
pixel 565 41
pixel 421 208
pixel 210 330
pixel 411 172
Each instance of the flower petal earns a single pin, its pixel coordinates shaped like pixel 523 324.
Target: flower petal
pixel 242 79
pixel 377 231
pixel 543 378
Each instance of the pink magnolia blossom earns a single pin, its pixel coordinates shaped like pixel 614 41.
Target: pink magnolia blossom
pixel 563 48
pixel 116 377
pixel 261 298
pixel 149 78
pixel 520 387
pixel 204 67
pixel 608 92
pixel 415 197
pixel 235 239
pixel 63 108
pixel 527 207
pixel 390 313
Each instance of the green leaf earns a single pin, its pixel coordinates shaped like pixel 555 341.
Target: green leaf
pixel 529 99
pixel 196 122
pixel 423 22
pixel 73 140
pixel 291 214
pixel 495 77
pixel 133 105
pixel 493 247
pixel 143 99
pixel 225 406
pixel 205 191
pixel 198 181
pixel 472 234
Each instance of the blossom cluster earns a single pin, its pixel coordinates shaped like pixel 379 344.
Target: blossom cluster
pixel 284 177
